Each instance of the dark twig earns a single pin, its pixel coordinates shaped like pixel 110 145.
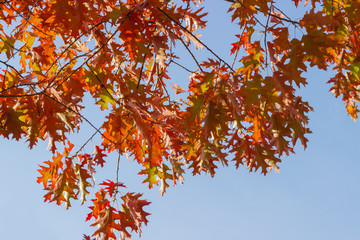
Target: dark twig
pixel 80 115
pixel 192 55
pixel 203 44
pixel 141 71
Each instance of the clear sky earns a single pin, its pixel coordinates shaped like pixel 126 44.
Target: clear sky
pixel 315 195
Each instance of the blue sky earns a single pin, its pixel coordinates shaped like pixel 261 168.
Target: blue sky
pixel 314 196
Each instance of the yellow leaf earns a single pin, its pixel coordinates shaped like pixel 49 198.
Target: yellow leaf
pixel 352 111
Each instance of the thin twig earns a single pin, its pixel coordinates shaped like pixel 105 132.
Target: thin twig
pixel 102 85
pixel 82 147
pixel 80 115
pixel 287 19
pixel 265 38
pixel 203 44
pixel 186 69
pixel 141 71
pixel 192 55
pixel 117 169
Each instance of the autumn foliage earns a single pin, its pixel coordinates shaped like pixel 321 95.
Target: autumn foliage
pixel 54 53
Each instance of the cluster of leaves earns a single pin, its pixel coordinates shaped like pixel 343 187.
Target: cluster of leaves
pixel 119 53
pixel 108 219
